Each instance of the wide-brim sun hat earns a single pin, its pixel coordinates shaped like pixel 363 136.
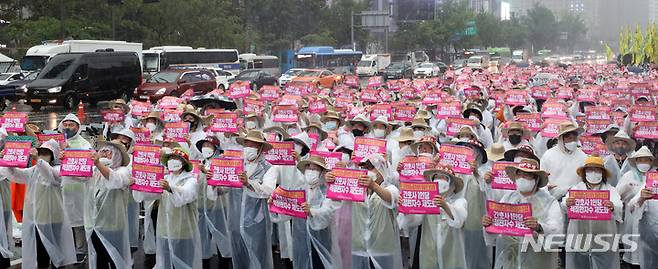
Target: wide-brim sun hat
pixel 211 139
pixel 567 127
pixel 496 152
pixel 382 120
pixel 331 115
pixel 419 122
pixel 515 125
pixel 621 136
pixel 359 119
pixel 511 153
pixel 430 140
pixel 643 152
pixel 154 115
pixel 119 102
pixel 301 138
pixel 183 154
pixel 313 159
pixel 125 158
pixel 277 129
pixel 256 137
pixel 593 162
pixel 528 166
pixel 474 144
pixel 456 181
pixel 406 134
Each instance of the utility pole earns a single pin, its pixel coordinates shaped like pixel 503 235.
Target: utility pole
pixel 352 30
pixel 113 23
pixel 62 30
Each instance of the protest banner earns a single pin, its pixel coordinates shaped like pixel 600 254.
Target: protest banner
pixel 532 120
pixel 176 130
pixel 369 96
pixel 453 125
pixel 652 183
pixel 317 106
pixel 551 127
pixel 381 110
pixel 646 130
pixel 269 93
pixel 589 205
pixel 553 110
pixel 77 163
pixel 146 154
pixel 288 203
pixel 14 121
pixel 142 135
pixel 598 113
pixel 252 106
pixel 418 198
pixel 232 154
pixel 147 178
pixel 413 167
pixel 226 172
pixel 169 102
pixel 364 147
pixel 457 157
pixel 225 122
pixel 330 158
pixel 282 153
pixel 346 186
pixel 507 219
pixel 139 109
pixel 239 89
pixel 59 137
pixel 172 115
pixel 596 126
pixel 446 110
pixel 643 113
pixel 113 116
pixel 16 154
pixel 404 113
pixel 516 98
pixel 500 179
pixel 285 113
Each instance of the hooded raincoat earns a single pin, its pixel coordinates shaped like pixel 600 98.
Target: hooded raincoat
pixel 646 225
pixel 561 165
pixel 213 227
pixel 73 187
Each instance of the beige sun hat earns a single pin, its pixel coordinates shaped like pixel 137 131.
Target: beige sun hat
pixel 125 158
pixel 255 136
pixel 528 166
pixel 406 134
pixel 567 126
pixel 515 125
pixel 313 159
pixel 496 152
pixel 456 181
pixel 621 136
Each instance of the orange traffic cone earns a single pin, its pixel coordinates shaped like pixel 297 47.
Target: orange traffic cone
pixel 81 112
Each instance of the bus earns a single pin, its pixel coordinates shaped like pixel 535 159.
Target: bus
pixel 161 58
pixel 340 61
pixel 267 63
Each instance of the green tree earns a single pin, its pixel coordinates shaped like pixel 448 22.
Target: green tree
pixel 542 27
pixel 489 29
pixel 512 33
pixel 574 25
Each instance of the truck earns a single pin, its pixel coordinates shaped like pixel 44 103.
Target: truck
pixel 38 56
pixel 519 56
pixel 373 64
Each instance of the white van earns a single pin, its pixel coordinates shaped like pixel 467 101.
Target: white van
pixel 373 64
pixel 479 61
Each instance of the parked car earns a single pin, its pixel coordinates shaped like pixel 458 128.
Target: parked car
pixel 478 61
pixel 442 66
pixel 425 70
pixel 69 78
pixel 256 78
pixel 15 90
pixel 222 77
pixel 9 77
pixel 398 70
pixel 174 82
pixel 318 77
pixel 458 63
pixel 289 75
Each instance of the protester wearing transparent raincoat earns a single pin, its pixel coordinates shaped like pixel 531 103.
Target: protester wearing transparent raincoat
pixel 6 238
pixel 212 207
pixel 314 239
pixel 375 235
pixel 595 177
pixel 639 213
pixel 255 228
pixel 178 243
pixel 546 219
pixel 105 203
pixel 441 236
pixel 44 223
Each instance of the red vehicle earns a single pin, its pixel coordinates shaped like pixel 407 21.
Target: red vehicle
pixel 175 82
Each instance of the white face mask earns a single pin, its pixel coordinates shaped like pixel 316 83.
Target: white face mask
pixel 345 158
pixel 174 165
pixel 476 119
pixel 428 155
pixel 151 126
pixel 298 149
pixel 207 152
pixel 571 146
pixel 593 177
pixel 250 153
pixel 524 184
pixel 418 134
pixel 444 186
pixel 380 133
pixel 464 139
pixel 105 161
pixel 250 125
pixel 312 177
pixel 518 159
pixel 643 167
pixel 330 125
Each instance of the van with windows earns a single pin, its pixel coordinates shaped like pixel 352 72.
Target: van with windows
pixel 268 63
pixel 478 61
pixel 69 78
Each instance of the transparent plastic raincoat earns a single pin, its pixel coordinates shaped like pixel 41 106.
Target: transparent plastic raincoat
pixel 213 226
pixel 375 233
pixel 508 248
pixel 588 258
pixel 43 213
pixel 105 214
pixel 442 239
pixel 73 188
pixel 478 254
pixel 646 217
pixel 6 240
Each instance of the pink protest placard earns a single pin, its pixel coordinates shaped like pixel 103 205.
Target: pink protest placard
pixel 564 93
pixel 647 130
pixel 377 110
pixel 455 124
pixel 516 98
pixel 369 96
pixel 45 137
pixel 14 121
pixel 288 203
pixel 553 110
pixel 317 106
pixel 225 122
pixel 146 154
pixel 432 98
pixel 404 113
pixel 351 81
pixel 589 205
pixel 226 172
pixel 330 158
pixel 643 113
pixel 113 116
pixel 139 108
pixel 169 102
pixel 232 154
pixel 142 135
pixel 364 147
pixel 418 198
pixel 147 178
pixel 176 130
pixel 652 183
pixel 315 140
pixel 457 157
pixel 269 92
pixel 446 110
pixel 539 92
pixel 551 127
pixel 252 106
pixel 596 126
pixel 286 113
pixel 590 144
pixel 172 115
pixel 598 112
pixel 374 82
pixel 296 89
pixel 413 167
pixel 239 89
pixel 346 186
pixel 507 219
pixel 532 120
pixel 501 180
pixel 282 153
pixel 16 154
pixel 196 170
pixel 77 163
